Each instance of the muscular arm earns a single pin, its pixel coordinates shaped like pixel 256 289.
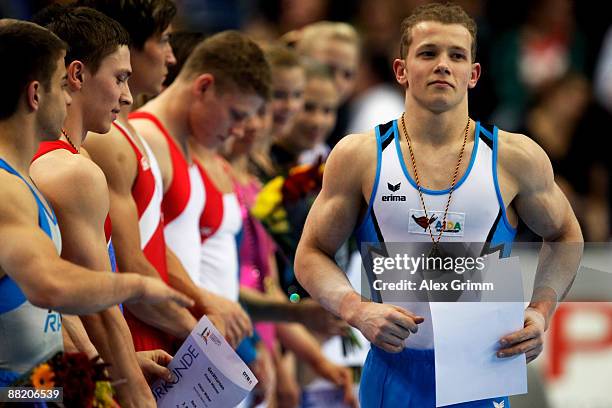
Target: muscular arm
pixel 81 213
pixel 229 317
pixel 47 280
pixel 75 336
pixel 330 222
pixel 115 157
pixel 543 207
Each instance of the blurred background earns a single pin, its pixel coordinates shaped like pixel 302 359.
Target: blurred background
pixel 546 72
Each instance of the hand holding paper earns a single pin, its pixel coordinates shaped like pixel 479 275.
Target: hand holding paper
pixel 206 373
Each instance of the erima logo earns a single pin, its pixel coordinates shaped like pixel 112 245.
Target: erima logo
pixel 393 188
pixel 499 404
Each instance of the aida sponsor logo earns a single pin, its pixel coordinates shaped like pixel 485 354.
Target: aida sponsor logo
pixel 419 223
pixel 393 188
pixel 452 227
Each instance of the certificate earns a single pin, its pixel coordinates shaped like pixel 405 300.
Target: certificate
pixel 206 371
pixel 466 337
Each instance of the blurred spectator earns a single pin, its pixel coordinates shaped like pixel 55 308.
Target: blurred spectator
pixel 376 100
pixel 305 140
pixel 603 73
pixel 337 46
pixel 563 120
pixel 540 51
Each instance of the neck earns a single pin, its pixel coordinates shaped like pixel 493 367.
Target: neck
pixel 172 109
pixel 240 163
pixel 203 153
pixel 19 140
pixel 74 126
pixel 425 126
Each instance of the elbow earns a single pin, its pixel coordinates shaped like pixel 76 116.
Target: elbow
pixel 298 265
pixel 47 294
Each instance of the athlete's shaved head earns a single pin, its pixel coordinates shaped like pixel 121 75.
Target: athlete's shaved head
pixel 91 35
pixel 29 53
pixel 143 19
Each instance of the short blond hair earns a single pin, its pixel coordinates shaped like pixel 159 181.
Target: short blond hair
pixel 316 33
pixel 447 13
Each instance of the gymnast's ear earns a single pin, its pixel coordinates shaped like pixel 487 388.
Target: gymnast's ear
pixel 474 75
pixel 399 69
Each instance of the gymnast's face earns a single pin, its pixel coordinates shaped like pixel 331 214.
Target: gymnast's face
pixel 438 68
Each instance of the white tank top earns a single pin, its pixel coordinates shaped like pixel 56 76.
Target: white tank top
pixel 395 214
pixel 182 233
pixel 219 257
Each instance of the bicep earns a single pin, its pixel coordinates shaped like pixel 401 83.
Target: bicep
pixel 546 212
pixel 540 203
pixel 124 216
pixel 27 264
pixel 334 213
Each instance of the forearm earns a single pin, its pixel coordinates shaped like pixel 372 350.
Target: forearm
pixel 75 337
pixel 262 307
pixel 111 336
pixel 558 264
pixel 179 279
pixel 298 339
pixel 325 281
pixel 167 317
pixel 71 289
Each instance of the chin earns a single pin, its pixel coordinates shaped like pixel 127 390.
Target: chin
pixel 102 128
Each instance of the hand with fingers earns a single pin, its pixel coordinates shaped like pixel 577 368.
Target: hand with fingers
pixel 386 326
pixel 529 340
pixel 340 376
pixel 154 364
pixel 236 321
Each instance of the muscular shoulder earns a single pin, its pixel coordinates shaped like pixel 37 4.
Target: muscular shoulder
pixel 114 155
pixel 350 161
pixel 354 150
pixel 524 160
pixel 152 134
pixel 17 204
pixel 71 181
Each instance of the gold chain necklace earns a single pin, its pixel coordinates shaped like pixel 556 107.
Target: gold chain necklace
pixel 434 250
pixel 69 141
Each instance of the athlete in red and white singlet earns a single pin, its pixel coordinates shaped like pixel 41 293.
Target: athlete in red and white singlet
pixel 147 192
pixel 220 230
pixel 182 204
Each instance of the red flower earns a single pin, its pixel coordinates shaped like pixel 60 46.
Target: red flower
pixel 301 182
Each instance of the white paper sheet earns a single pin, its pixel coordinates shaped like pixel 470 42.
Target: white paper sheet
pixel 207 373
pixel 466 337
